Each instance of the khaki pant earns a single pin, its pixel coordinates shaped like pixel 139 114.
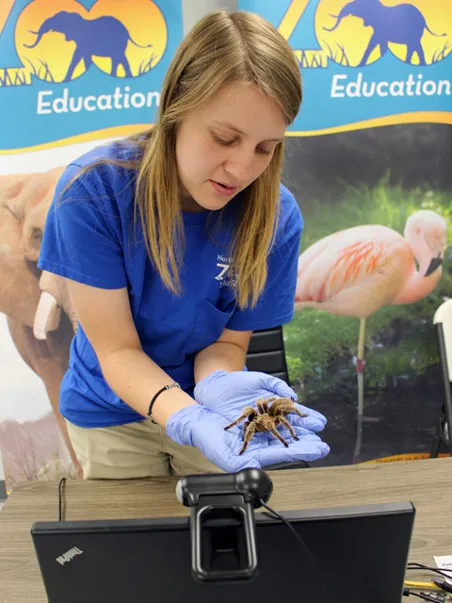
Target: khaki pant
pixel 139 449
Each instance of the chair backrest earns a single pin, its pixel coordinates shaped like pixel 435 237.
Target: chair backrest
pixel 266 353
pixel 443 324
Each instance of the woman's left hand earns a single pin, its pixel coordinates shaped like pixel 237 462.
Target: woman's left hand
pixel 227 394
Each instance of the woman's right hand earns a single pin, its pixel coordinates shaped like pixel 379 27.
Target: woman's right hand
pixel 197 426
pixel 228 393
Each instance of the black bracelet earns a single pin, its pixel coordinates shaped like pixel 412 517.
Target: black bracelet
pixel 158 394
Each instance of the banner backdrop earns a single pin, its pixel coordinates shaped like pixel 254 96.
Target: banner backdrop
pixel 73 70
pixel 73 74
pixel 367 63
pixel 371 146
pixel 368 158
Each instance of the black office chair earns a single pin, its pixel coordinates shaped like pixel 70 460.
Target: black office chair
pixel 266 353
pixel 443 325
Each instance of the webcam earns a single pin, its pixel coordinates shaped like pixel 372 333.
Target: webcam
pixel 253 484
pixel 222 524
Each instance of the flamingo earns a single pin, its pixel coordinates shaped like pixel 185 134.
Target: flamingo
pixel 356 271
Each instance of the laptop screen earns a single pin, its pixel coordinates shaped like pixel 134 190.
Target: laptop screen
pixel 349 555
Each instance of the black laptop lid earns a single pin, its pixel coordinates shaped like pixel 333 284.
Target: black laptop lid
pixel 360 554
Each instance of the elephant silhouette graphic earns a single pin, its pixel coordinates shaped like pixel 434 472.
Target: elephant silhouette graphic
pixel 102 37
pixel 401 24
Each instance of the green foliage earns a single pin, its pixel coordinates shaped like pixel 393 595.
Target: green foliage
pixel 400 340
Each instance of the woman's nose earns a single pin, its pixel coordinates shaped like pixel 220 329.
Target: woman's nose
pixel 240 165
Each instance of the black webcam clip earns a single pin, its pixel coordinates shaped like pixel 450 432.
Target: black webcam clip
pixel 222 524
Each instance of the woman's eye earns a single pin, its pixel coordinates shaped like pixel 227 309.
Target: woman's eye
pixel 228 143
pixel 222 141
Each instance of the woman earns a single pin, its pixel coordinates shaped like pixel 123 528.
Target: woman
pixel 176 244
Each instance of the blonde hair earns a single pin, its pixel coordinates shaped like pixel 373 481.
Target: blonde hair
pixel 222 48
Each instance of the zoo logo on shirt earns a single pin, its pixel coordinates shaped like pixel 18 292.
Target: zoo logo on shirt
pixel 224 277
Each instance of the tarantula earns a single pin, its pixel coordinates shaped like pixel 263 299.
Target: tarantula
pixel 265 418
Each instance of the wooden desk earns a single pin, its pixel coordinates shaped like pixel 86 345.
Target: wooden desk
pixel 427 483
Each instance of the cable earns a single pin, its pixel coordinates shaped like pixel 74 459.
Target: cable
pixel 61 499
pixel 429 585
pixel 276 515
pixel 444 584
pixel 412 566
pixel 434 597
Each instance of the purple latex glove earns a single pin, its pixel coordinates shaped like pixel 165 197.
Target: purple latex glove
pixel 197 426
pixel 227 394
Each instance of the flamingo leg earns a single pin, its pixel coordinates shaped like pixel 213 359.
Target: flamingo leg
pixel 360 364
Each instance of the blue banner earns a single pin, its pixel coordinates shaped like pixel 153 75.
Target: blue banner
pixel 72 70
pixel 367 63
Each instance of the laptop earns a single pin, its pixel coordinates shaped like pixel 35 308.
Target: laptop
pixel 351 554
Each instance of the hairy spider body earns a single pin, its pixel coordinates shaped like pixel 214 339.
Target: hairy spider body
pixel 267 418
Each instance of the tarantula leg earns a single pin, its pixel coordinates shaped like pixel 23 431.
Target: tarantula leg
pixel 286 423
pixel 276 433
pixel 247 412
pixel 302 414
pixel 249 432
pixel 270 401
pixel 262 406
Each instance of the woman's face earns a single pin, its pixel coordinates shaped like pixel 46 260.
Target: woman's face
pixel 226 145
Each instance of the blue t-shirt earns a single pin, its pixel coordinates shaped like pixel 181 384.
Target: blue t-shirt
pixel 93 236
